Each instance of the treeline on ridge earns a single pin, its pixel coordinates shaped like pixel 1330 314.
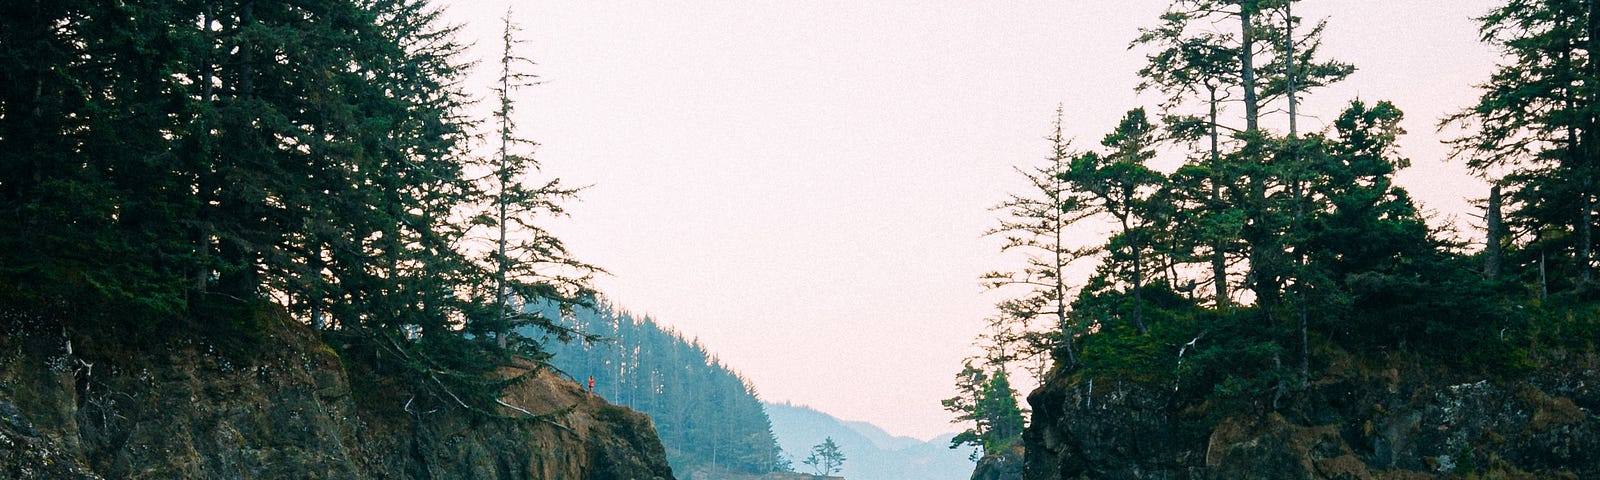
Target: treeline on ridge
pixel 706 414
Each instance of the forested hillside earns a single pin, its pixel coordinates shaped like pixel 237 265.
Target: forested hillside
pixel 178 168
pixel 708 415
pixel 252 236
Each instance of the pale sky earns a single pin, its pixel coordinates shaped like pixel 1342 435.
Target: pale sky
pixel 803 185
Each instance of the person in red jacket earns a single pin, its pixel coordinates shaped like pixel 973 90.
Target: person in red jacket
pixel 591 383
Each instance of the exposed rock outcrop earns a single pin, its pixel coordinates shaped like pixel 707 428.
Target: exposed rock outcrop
pixel 290 412
pixel 1006 465
pixel 1392 419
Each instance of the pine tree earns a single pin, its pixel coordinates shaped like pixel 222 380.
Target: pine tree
pixel 825 458
pixel 1035 224
pixel 988 404
pixel 1120 185
pixel 1537 128
pixel 529 264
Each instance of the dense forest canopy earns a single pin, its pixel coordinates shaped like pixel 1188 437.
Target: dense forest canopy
pixel 196 166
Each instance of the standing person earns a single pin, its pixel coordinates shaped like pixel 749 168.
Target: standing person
pixel 591 383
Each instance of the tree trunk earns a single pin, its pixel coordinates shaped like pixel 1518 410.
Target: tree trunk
pixel 1219 259
pixel 1591 142
pixel 504 177
pixel 1586 234
pixel 1299 197
pixel 1579 140
pixel 1494 236
pixel 1288 13
pixel 1247 69
pixel 1544 283
pixel 1263 248
pixel 1061 306
pixel 1138 282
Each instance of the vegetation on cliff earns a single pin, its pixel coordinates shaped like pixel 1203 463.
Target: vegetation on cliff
pixel 193 411
pixel 194 165
pixel 1242 281
pixel 986 401
pixel 1234 275
pixel 248 238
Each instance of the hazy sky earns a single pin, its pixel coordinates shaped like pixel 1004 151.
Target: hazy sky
pixel 803 185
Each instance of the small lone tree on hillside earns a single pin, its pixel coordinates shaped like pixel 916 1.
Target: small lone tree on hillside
pixel 988 401
pixel 825 458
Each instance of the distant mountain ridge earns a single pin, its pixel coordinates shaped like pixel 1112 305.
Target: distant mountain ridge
pixel 870 452
pixel 881 438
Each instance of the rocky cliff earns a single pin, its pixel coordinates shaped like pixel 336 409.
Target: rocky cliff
pixel 291 411
pixel 1382 418
pixel 1006 465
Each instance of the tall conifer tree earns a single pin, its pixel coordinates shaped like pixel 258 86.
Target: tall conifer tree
pixel 1536 128
pixel 1036 223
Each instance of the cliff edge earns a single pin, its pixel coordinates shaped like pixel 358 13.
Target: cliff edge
pixel 292 411
pixel 1370 419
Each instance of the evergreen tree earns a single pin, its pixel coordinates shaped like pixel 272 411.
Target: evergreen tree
pixel 1035 223
pixel 988 402
pixel 1120 185
pixel 1004 416
pixel 1187 63
pixel 1334 253
pixel 825 458
pixel 970 384
pixel 1537 128
pixel 195 165
pixel 529 263
pixel 1262 61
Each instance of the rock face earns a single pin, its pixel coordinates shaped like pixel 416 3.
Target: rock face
pixel 289 413
pixel 1006 465
pixel 1405 421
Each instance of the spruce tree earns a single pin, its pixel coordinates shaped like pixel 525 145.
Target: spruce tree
pixel 529 264
pixel 988 404
pixel 1118 184
pixel 1536 130
pixel 1035 224
pixel 1245 48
